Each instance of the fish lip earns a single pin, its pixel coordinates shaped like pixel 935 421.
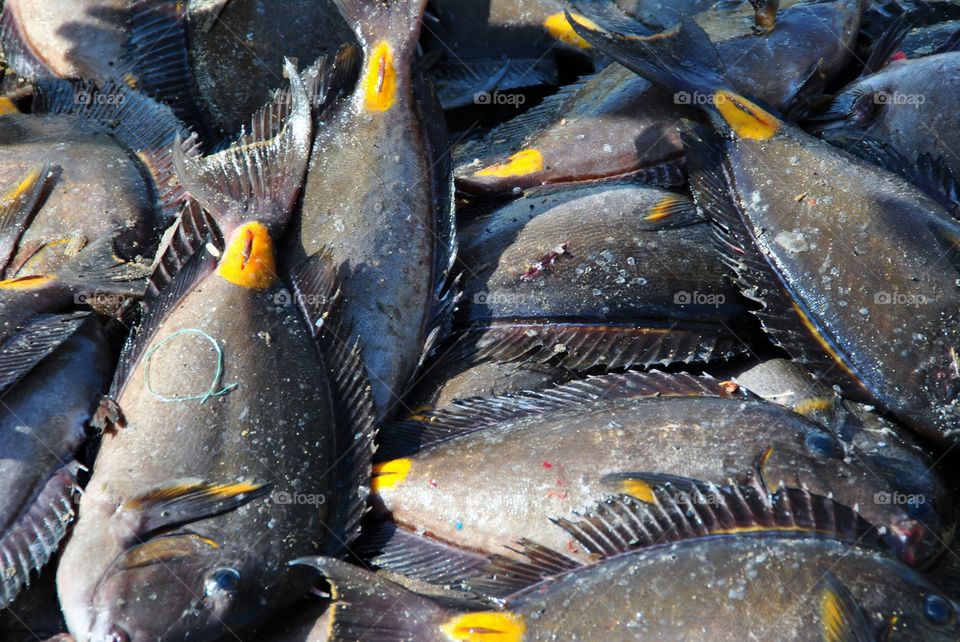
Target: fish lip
pixel 112 633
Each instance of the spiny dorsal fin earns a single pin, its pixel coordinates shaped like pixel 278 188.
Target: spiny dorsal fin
pixel 465 416
pixel 315 287
pixel 667 509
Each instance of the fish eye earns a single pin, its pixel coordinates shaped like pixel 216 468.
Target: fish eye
pixel 222 580
pixel 938 610
pixel 824 445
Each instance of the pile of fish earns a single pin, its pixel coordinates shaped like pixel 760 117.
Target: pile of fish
pixel 479 320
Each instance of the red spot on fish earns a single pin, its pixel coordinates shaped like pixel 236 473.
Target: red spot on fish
pixel 898 56
pixel 812 202
pixel 547 464
pixel 572 547
pixel 544 264
pixel 432 483
pixel 381 73
pixel 247 249
pixel 558 495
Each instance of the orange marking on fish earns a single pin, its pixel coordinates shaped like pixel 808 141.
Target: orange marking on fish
pixel 560 28
pixel 380 79
pixel 390 474
pixel 747 120
pixel 248 260
pixel 485 626
pixel 523 163
pixel 7 106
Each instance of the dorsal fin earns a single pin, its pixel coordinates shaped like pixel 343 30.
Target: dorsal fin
pixel 461 417
pixel 316 291
pixel 160 57
pixel 147 128
pixel 676 509
pixel 184 258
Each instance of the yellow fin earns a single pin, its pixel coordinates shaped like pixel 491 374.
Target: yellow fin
pixel 522 163
pixel 248 260
pixel 380 78
pixel 389 474
pixel 746 119
pixel 639 489
pixel 26 282
pixel 560 28
pixel 485 626
pixel 164 549
pixel 665 207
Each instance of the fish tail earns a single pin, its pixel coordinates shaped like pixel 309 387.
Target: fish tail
pixel 394 21
pixel 368 607
pixel 679 60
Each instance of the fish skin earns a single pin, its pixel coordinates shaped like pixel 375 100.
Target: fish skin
pixel 764 587
pixel 901 107
pixel 265 430
pixel 369 199
pixel 745 587
pixel 605 257
pixel 451 379
pixel 94 175
pixel 44 419
pixel 617 123
pixel 552 463
pixel 85 39
pixel 241 41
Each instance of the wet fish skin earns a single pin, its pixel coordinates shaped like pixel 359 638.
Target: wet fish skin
pixel 84 40
pixel 555 462
pixel 899 106
pixel 766 587
pixel 240 442
pixel 44 422
pixel 97 188
pixel 371 199
pixel 237 38
pixel 618 124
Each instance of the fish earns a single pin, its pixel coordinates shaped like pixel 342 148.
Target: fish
pixel 110 154
pixel 309 622
pixel 252 471
pixel 378 197
pixel 190 54
pixel 613 275
pixel 485 473
pixel 35 614
pixel 478 50
pixel 83 40
pixel 898 106
pixel 768 585
pixel 455 376
pixel 618 124
pixel 45 419
pixel 875 236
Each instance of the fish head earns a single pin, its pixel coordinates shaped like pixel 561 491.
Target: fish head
pixel 173 587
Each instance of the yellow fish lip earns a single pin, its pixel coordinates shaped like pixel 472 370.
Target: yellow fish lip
pixel 248 260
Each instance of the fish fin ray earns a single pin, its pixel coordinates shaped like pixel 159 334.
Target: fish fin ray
pixel 32 344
